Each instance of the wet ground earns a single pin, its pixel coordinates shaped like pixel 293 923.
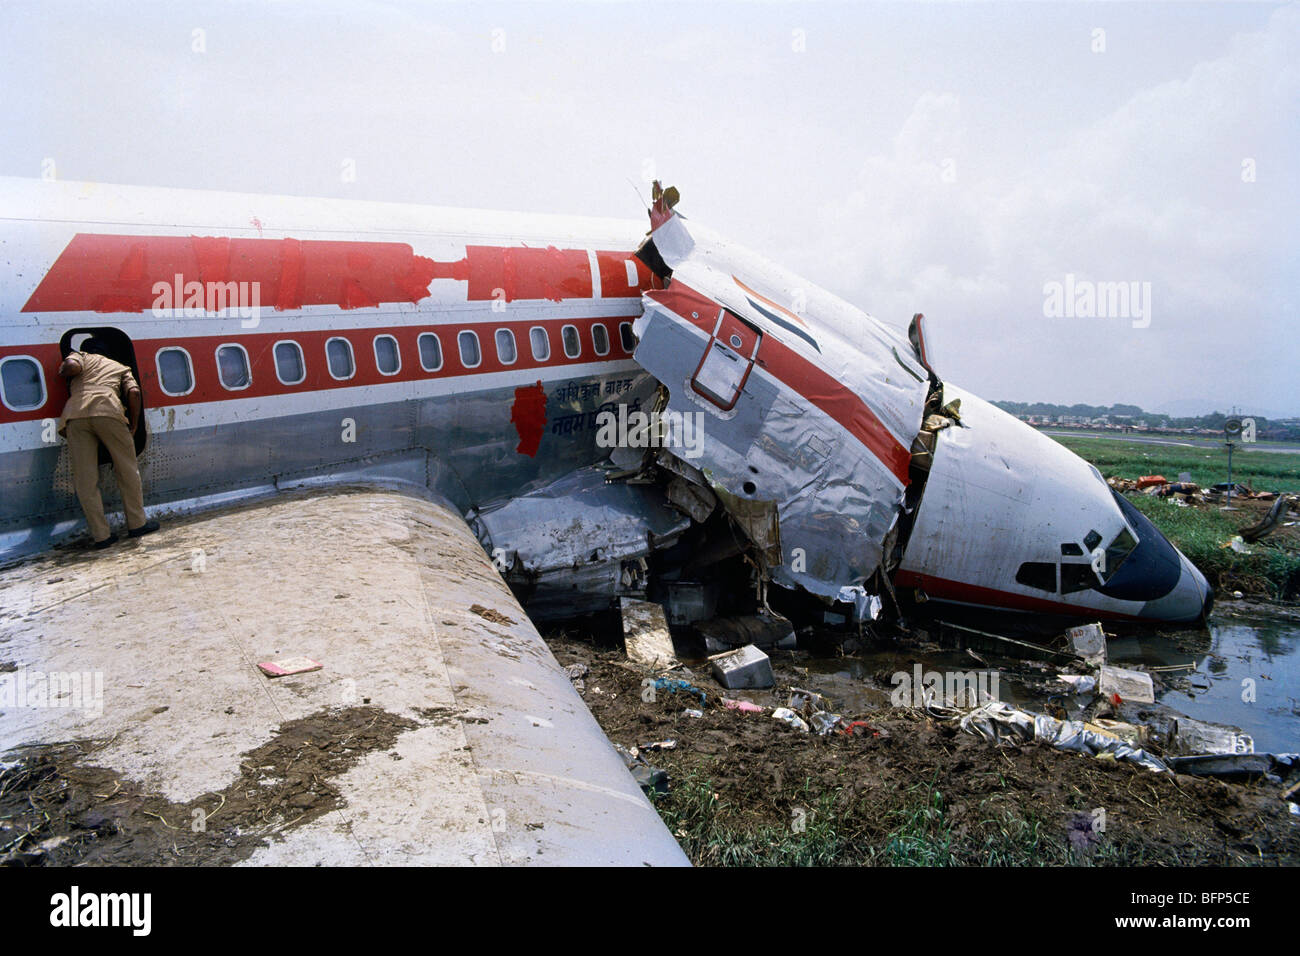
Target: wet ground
pixel 916 789
pixel 1246 675
pixel 1242 670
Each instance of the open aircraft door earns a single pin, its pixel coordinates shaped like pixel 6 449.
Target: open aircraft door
pixel 120 349
pixel 727 361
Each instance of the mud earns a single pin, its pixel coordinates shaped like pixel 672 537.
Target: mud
pixel 496 617
pixel 59 808
pixel 762 775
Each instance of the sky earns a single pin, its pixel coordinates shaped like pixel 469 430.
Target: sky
pixel 981 163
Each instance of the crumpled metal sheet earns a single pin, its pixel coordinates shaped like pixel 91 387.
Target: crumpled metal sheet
pixel 1000 723
pixel 836 501
pixel 572 539
pixel 565 523
pixel 866 606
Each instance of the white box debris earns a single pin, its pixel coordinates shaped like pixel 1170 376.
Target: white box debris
pixel 1132 686
pixel 745 667
pixel 1088 641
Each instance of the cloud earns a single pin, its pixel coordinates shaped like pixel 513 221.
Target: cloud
pixel 1153 191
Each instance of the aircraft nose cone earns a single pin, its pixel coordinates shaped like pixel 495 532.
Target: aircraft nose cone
pixel 1190 600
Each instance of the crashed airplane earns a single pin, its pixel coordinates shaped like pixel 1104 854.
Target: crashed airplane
pixel 610 413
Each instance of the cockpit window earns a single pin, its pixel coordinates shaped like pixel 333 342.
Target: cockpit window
pixel 1038 574
pixel 1077 577
pixel 1092 540
pixel 1071 549
pixel 1116 552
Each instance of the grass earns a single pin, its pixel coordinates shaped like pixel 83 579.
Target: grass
pixel 838 831
pixel 1272 570
pixel 1262 470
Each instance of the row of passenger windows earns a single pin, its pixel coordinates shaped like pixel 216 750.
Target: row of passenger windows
pixel 176 375
pixel 22 383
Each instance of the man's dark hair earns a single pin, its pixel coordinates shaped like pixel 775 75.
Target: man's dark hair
pixel 94 346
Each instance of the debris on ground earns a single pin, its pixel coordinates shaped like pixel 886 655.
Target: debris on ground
pixel 744 668
pixel 737 780
pixel 1079 683
pixel 1275 517
pixel 576 673
pixel 1001 724
pixel 761 630
pixel 645 632
pixel 788 717
pixel 1232 765
pixel 1088 641
pixel 674 685
pixel 648 778
pixel 1131 685
pixel 288 666
pixel 1189 736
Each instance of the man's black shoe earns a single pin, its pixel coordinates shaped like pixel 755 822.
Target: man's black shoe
pixel 101 545
pixel 149 527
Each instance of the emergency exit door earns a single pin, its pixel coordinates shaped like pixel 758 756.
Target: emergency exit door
pixel 727 361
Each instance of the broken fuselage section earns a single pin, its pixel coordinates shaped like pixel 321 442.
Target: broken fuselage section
pixel 782 436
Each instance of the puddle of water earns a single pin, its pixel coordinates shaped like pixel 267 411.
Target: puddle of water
pixel 1264 651
pixel 845 680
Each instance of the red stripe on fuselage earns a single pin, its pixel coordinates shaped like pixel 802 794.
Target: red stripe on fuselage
pixel 116 273
pixel 942 589
pixel 817 386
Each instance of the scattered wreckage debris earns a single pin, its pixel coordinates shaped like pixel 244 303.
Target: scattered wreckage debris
pixel 999 723
pixel 1232 766
pixel 1130 685
pixel 1274 519
pixel 760 630
pixel 288 666
pixel 1159 742
pixel 650 779
pixel 645 633
pixel 738 768
pixel 1088 641
pixel 745 667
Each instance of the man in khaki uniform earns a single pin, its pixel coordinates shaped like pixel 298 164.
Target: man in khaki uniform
pixel 95 413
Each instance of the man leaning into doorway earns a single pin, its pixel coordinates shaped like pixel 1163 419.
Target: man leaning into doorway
pixel 93 414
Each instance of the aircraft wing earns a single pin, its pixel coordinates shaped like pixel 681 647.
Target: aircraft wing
pixel 438 730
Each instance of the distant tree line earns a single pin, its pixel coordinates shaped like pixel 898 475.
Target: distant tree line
pixel 1120 414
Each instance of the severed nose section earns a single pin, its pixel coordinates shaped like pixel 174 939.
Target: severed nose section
pixel 1190 600
pixel 1158 574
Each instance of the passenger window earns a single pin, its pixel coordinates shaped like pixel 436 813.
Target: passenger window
pixel 540 342
pixel 1038 574
pixel 572 344
pixel 600 339
pixel 470 356
pixel 290 368
pixel 387 357
pixel 625 334
pixel 22 384
pixel 430 352
pixel 175 374
pixel 1077 577
pixel 506 351
pixel 232 367
pixel 338 356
